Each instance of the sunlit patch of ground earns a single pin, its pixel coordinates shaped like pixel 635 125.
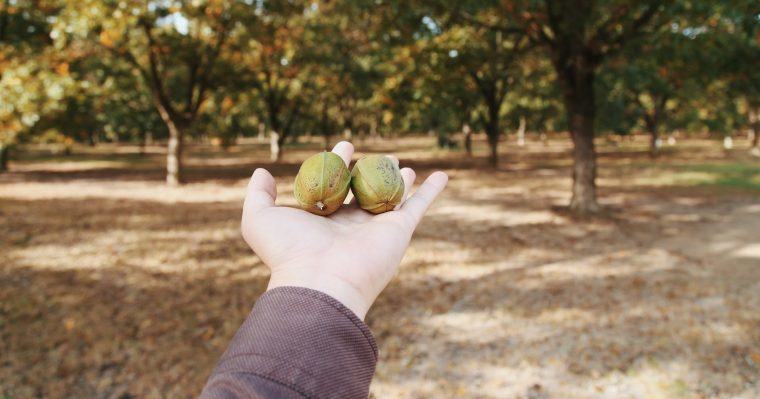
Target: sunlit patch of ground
pixel 112 285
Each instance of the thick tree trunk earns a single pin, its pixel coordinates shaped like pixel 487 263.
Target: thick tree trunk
pixel 467 133
pixel 4 155
pixel 577 82
pixel 493 157
pixel 174 147
pixel 584 161
pixel 584 165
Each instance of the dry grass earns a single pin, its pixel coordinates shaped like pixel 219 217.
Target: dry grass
pixel 112 285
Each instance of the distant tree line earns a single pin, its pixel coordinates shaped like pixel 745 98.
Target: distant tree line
pixel 129 70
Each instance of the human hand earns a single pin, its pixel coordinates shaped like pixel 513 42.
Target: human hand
pixel 350 255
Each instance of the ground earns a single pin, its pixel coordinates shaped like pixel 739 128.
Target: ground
pixel 113 285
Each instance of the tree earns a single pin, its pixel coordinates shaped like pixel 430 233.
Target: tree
pixel 736 43
pixel 173 46
pixel 578 36
pixel 34 77
pixel 490 58
pixel 268 59
pixel 656 78
pixel 344 64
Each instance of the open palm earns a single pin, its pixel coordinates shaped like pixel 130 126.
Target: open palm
pixel 350 255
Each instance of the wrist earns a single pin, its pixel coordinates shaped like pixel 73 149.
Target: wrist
pixel 336 287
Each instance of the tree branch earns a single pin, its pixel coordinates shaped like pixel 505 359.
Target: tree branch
pixel 155 77
pixel 212 56
pixel 605 42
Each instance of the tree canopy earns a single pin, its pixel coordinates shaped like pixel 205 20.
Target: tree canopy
pixel 125 70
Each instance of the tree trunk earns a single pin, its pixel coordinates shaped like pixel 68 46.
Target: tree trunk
pixel 521 132
pixel 492 131
pixel 274 146
pixel 577 83
pixel 176 127
pixel 174 175
pixel 493 144
pixel 754 120
pixel 262 136
pixel 655 142
pixel 4 155
pixel 584 165
pixel 467 133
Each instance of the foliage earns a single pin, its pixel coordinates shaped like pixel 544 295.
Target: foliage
pixel 126 70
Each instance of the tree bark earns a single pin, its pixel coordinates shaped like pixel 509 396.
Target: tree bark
pixel 493 144
pixel 4 155
pixel 655 142
pixel 467 133
pixel 174 147
pixel 492 131
pixel 578 88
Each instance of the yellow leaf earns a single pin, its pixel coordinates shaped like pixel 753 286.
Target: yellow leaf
pixel 62 69
pixel 105 39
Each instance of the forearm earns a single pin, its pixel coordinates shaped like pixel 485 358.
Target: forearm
pixel 295 343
